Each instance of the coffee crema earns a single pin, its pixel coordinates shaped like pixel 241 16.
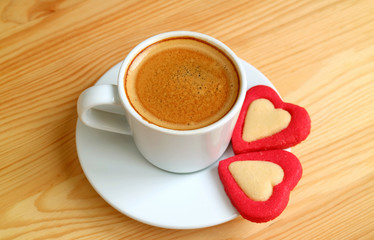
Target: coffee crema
pixel 182 84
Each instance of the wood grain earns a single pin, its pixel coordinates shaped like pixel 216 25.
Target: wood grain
pixel 318 54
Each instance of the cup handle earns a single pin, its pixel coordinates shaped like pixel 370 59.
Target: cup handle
pixel 89 112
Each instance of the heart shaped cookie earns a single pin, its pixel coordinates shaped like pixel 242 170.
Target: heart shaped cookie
pixel 258 184
pixel 266 122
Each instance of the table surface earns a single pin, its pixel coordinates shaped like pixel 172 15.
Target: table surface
pixel 318 54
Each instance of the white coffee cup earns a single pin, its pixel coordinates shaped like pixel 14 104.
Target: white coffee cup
pixel 179 151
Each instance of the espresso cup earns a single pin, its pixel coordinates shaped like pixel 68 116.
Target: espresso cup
pixel 182 125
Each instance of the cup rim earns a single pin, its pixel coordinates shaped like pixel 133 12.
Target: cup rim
pixel 141 46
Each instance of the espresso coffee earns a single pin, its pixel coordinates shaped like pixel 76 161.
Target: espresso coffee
pixel 182 84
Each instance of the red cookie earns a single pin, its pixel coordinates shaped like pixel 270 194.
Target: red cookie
pixel 261 192
pixel 266 122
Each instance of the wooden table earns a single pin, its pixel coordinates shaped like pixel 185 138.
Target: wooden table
pixel 318 54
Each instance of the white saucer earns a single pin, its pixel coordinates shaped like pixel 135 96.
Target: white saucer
pixel 145 193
